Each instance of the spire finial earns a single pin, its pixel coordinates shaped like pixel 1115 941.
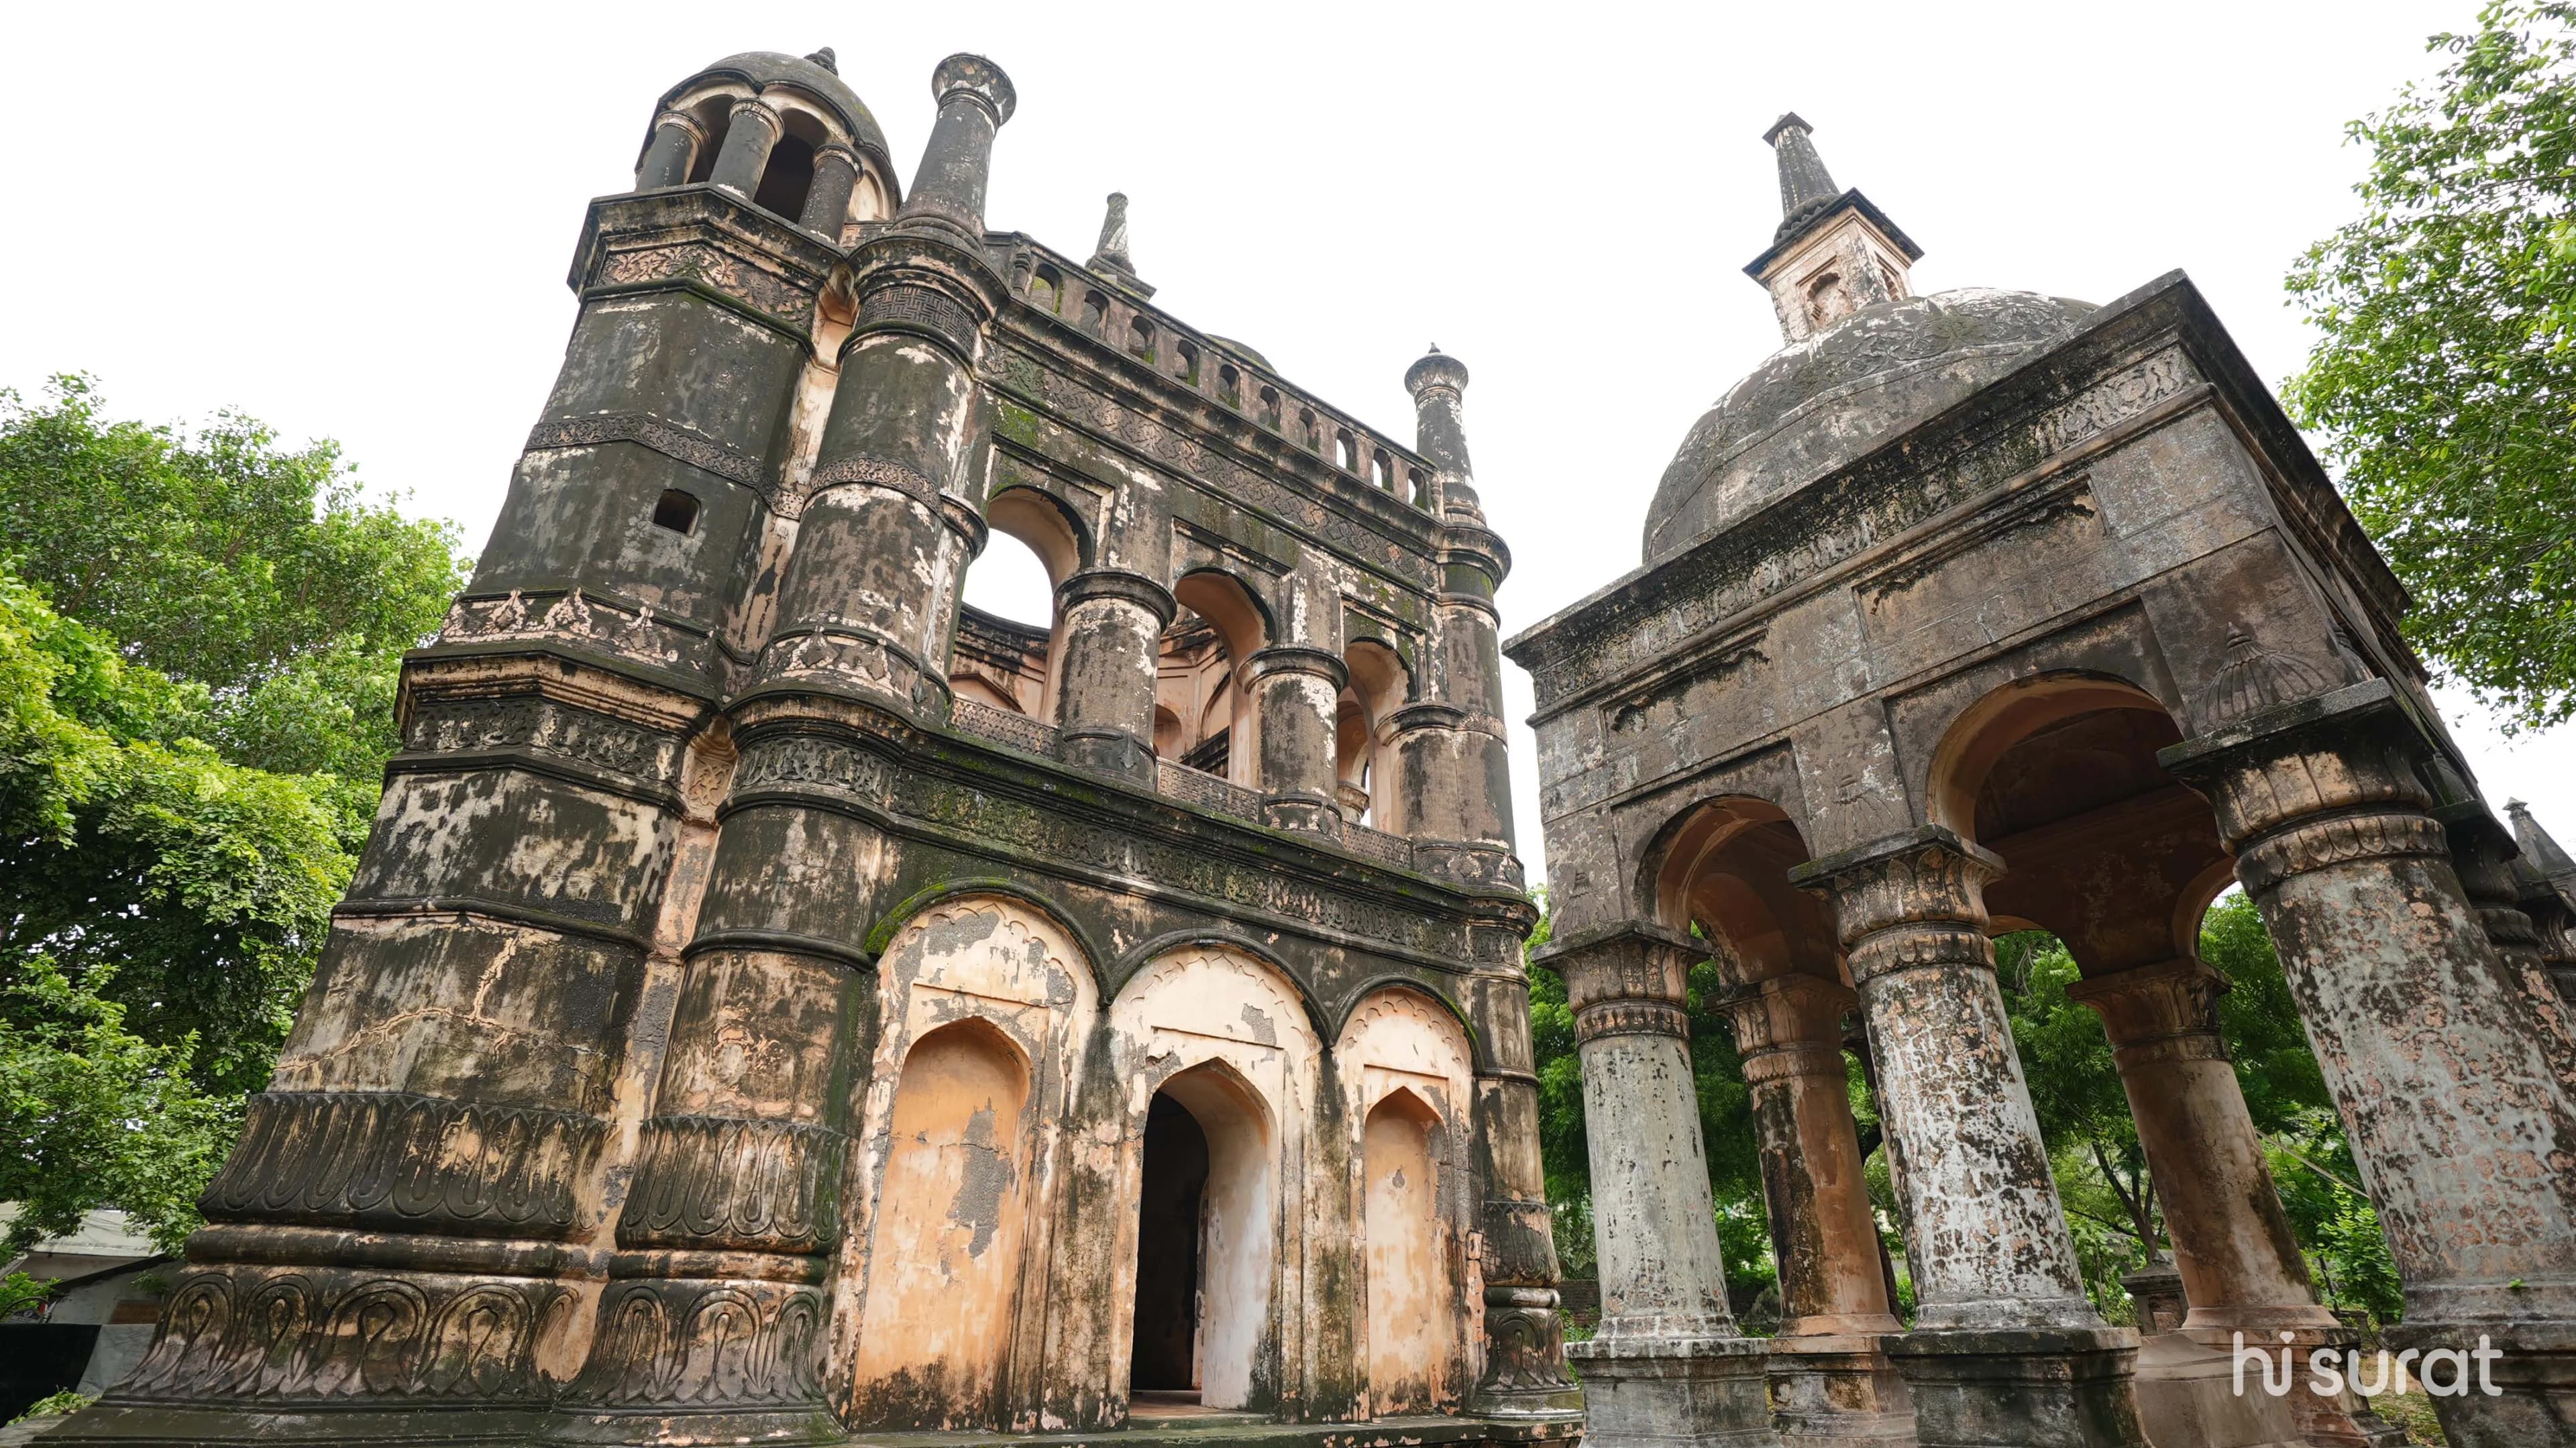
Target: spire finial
pixel 826 59
pixel 1112 253
pixel 1806 187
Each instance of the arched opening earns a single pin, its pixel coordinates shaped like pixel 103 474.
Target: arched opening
pixel 1367 766
pixel 1409 1294
pixel 1346 451
pixel 1828 301
pixel 715 117
pixel 1417 487
pixel 787 178
pixel 944 1253
pixel 1095 313
pixel 1219 626
pixel 1046 290
pixel 1206 1243
pixel 1382 472
pixel 1270 408
pixel 1185 362
pixel 2101 846
pixel 1229 386
pixel 1140 337
pixel 1005 652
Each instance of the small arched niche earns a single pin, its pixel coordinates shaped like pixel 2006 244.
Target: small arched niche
pixel 944 1246
pixel 1207 1219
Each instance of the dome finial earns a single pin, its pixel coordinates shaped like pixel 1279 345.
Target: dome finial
pixel 826 59
pixel 1806 187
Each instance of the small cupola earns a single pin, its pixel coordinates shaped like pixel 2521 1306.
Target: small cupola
pixel 1834 252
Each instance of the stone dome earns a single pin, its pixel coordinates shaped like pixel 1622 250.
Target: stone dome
pixel 1820 403
pixel 760 68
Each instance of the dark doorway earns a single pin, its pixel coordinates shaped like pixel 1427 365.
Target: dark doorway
pixel 1165 1354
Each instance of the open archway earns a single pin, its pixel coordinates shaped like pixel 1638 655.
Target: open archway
pixel 1198 676
pixel 1207 1217
pixel 1006 652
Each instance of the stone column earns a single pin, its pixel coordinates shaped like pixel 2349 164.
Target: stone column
pixel 1524 1348
pixel 1830 1382
pixel 1111 624
pixel 2006 1350
pixel 1668 1363
pixel 2482 855
pixel 751 132
pixel 1297 690
pixel 672 151
pixel 827 201
pixel 2464 1133
pixel 2235 1255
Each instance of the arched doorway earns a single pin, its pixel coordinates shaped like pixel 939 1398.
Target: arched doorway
pixel 1163 1363
pixel 1408 1277
pixel 1206 1241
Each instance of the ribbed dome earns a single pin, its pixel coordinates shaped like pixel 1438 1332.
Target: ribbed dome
pixel 759 68
pixel 1821 403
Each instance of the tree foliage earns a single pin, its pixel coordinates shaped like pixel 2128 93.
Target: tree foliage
pixel 2444 380
pixel 200 636
pixel 217 558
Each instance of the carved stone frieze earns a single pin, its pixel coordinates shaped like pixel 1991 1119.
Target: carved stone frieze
pixel 807 761
pixel 527 721
pixel 681 1343
pixel 780 298
pixel 634 633
pixel 397 1161
pixel 243 1333
pixel 722 1184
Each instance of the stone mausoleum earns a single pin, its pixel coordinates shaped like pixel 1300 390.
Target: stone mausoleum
pixel 1985 611
pixel 779 1004
pixel 776 1005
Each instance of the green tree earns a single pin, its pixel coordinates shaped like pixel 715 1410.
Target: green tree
pixel 144 868
pixel 2444 379
pixel 219 559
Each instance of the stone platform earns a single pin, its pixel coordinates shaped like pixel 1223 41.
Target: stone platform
pixel 1216 1429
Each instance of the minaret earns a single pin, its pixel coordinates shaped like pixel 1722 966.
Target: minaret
pixel 1834 252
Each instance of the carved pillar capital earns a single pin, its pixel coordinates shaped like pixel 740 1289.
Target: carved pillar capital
pixel 2320 782
pixel 2164 1011
pixel 1626 980
pixel 1909 901
pixel 1790 1025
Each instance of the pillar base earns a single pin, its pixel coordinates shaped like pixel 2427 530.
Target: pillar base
pixel 1838 1392
pixel 2336 1420
pixel 1667 1392
pixel 1111 752
pixel 2535 1402
pixel 2022 1387
pixel 2187 1394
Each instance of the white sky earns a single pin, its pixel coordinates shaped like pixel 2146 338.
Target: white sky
pixel 355 221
